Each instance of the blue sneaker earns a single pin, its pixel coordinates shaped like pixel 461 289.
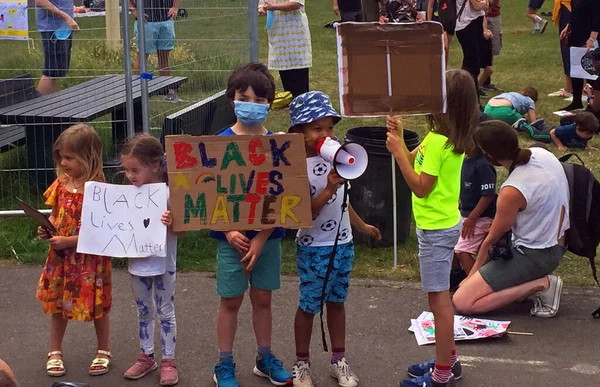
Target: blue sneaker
pixel 224 375
pixel 268 366
pixel 417 370
pixel 427 381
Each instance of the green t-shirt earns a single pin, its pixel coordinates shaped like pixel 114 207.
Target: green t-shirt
pixel 439 209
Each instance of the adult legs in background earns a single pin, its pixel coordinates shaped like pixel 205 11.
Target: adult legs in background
pixel 470 40
pixel 295 81
pixel 57 59
pixel 578 84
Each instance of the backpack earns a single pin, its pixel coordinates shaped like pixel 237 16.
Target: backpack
pixel 583 236
pixel 401 11
pixel 447 11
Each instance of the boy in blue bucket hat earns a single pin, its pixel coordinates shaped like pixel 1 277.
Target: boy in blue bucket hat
pixel 330 238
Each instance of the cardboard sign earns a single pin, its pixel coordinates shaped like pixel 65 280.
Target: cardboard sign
pixel 465 328
pixel 238 182
pixel 392 68
pixel 123 220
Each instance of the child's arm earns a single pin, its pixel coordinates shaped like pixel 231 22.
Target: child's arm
pixel 531 115
pixel 557 142
pixel 589 147
pixel 283 7
pixel 336 7
pixel 420 184
pixel 361 226
pixel 395 125
pixel 174 10
pixel 333 182
pixel 468 226
pixel 256 245
pixel 167 220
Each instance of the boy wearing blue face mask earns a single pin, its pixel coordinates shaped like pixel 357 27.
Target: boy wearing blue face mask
pixel 251 90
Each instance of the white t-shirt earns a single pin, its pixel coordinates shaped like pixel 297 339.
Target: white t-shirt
pixel 151 266
pixel 543 183
pixel 325 224
pixel 468 15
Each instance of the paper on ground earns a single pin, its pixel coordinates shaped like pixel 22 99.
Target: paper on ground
pixel 465 328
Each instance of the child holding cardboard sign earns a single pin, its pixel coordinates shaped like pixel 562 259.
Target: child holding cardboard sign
pixel 248 257
pixel 74 286
pixel 325 251
pixel 433 172
pixel 152 278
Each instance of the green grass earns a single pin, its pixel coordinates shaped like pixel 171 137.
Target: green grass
pixel 526 60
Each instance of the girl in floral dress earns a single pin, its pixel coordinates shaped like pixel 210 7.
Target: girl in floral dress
pixel 74 286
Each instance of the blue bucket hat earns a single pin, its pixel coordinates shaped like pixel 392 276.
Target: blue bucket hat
pixel 311 106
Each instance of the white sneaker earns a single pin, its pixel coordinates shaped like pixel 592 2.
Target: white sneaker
pixel 301 374
pixel 548 301
pixel 561 93
pixel 342 372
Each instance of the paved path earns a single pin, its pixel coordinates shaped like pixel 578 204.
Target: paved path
pixel 562 352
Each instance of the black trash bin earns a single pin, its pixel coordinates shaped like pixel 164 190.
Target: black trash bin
pixel 371 194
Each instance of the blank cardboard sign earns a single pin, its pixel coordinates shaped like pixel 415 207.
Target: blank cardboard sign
pixel 391 68
pixel 238 182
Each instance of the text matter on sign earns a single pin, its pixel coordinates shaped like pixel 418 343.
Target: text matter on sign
pixel 238 182
pixel 123 220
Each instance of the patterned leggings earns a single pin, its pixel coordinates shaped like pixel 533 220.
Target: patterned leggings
pixel 156 296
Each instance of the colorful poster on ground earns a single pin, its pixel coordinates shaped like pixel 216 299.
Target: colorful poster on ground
pixel 238 182
pixel 14 23
pixel 123 220
pixel 465 328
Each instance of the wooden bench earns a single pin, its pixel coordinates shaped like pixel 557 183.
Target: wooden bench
pixel 209 116
pixel 13 91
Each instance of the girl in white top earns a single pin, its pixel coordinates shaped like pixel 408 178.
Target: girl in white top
pixel 152 278
pixel 534 204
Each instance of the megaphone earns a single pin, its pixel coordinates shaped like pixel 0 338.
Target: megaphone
pixel 349 160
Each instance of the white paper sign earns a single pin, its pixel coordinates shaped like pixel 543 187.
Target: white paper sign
pixel 123 220
pixel 577 70
pixel 13 20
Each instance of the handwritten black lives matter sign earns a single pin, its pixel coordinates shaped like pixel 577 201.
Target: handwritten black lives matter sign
pixel 123 220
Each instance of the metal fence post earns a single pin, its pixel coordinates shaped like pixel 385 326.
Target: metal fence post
pixel 127 69
pixel 253 29
pixel 141 44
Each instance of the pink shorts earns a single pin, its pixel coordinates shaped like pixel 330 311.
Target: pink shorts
pixel 471 244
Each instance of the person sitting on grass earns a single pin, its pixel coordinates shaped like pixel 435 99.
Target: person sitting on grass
pixel 577 134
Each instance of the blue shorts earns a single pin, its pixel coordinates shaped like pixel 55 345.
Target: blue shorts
pixel 312 267
pixel 436 251
pixel 160 36
pixel 266 273
pixel 536 4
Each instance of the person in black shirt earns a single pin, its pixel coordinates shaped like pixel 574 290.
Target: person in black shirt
pixel 349 10
pixel 159 29
pixel 582 31
pixel 477 206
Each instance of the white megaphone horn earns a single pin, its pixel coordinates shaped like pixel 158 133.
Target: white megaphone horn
pixel 349 160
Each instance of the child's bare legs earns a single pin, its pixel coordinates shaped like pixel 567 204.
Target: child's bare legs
pixel 443 312
pixel 227 322
pixel 303 324
pixel 262 317
pixel 164 68
pixel 466 261
pixel 46 85
pixel 336 323
pixel 102 326
pixel 58 326
pixel 487 72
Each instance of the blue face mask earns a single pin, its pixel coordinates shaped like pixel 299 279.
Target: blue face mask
pixel 251 113
pixel 63 32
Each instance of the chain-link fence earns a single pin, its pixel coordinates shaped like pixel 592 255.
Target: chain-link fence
pixel 39 99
